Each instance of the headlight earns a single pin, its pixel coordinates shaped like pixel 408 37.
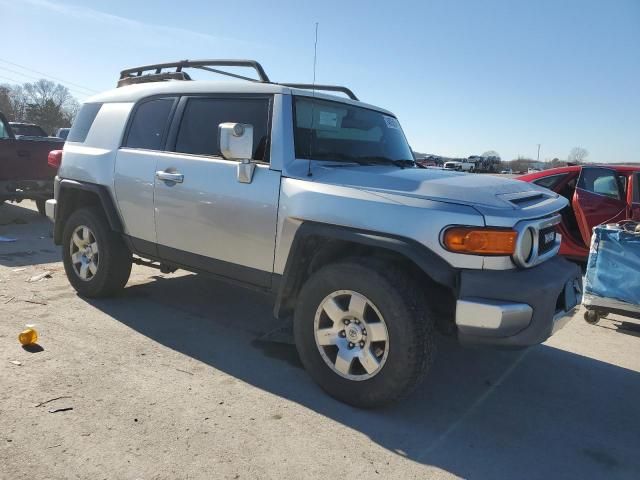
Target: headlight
pixel 526 245
pixel 480 241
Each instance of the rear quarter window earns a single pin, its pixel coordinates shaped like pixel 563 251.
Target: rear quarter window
pixel 83 121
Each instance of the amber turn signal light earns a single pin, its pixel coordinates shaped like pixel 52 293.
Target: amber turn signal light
pixel 480 241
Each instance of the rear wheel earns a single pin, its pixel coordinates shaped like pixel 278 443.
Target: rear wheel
pixel 363 332
pixel 96 259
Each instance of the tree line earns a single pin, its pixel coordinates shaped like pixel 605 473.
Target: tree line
pixel 42 102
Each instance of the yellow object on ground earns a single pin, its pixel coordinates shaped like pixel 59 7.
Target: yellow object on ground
pixel 28 336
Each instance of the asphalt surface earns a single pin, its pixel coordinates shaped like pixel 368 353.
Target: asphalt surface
pixel 171 380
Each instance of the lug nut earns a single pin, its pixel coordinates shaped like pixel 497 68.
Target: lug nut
pixel 343 333
pixel 357 322
pixel 361 344
pixel 364 332
pixel 346 321
pixel 351 345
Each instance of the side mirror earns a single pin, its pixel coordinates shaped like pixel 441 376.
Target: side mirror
pixel 236 143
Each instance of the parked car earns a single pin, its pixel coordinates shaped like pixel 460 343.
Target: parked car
pixel 460 166
pixel 62 133
pixel 24 169
pixel 316 200
pixel 597 194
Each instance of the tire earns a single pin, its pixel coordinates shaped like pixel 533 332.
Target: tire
pixel 112 264
pixel 40 203
pixel 408 351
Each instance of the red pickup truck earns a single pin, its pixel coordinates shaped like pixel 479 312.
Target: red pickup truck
pixel 24 169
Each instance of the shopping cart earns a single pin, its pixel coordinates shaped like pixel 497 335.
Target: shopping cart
pixel 612 282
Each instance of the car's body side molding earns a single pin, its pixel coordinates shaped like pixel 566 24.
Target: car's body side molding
pixel 305 246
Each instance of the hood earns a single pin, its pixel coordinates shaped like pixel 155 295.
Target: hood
pixel 487 193
pixel 432 184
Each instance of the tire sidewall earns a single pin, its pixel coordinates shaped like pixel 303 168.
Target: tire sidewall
pixel 403 326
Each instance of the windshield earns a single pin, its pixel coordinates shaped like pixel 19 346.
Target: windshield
pixel 326 130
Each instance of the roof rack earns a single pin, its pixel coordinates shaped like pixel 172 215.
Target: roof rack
pixel 136 75
pixel 326 88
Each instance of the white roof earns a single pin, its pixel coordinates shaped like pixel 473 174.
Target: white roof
pixel 133 93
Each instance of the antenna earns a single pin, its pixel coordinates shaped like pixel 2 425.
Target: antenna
pixel 313 102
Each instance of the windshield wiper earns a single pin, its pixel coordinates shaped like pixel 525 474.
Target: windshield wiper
pixel 399 163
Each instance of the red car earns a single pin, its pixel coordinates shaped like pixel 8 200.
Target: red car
pixel 597 194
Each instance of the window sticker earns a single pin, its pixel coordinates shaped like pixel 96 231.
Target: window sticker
pixel 330 119
pixel 391 122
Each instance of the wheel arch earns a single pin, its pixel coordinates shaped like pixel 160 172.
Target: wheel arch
pixel 317 244
pixel 73 195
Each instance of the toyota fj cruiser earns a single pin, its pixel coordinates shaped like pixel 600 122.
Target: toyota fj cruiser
pixel 317 199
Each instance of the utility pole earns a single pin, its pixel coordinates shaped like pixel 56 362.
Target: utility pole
pixel 538 152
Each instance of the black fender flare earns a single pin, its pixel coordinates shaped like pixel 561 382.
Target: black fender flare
pixel 438 269
pixel 66 187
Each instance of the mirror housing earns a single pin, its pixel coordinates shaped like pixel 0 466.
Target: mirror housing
pixel 236 143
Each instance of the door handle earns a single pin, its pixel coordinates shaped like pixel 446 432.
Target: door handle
pixel 170 176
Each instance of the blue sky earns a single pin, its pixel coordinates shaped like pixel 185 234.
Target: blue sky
pixel 462 76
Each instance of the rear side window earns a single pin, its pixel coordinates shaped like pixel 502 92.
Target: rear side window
pixel 149 124
pixel 83 121
pixel 198 132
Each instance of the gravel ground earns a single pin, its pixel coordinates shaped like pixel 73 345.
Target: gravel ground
pixel 171 381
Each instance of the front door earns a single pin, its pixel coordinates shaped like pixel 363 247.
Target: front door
pixel 598 199
pixel 205 218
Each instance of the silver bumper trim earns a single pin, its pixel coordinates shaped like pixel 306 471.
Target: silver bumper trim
pixel 481 316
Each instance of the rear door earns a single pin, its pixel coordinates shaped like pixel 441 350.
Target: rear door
pixel 599 198
pixel 143 144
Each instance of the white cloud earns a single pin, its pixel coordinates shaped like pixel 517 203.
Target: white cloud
pixel 97 16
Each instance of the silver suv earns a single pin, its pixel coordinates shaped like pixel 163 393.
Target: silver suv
pixel 317 199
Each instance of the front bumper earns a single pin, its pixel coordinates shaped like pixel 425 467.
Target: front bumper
pixel 517 308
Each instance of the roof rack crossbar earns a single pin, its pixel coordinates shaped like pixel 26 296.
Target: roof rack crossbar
pixel 234 75
pixel 326 88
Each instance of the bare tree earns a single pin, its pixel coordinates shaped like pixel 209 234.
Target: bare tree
pixel 491 153
pixel 577 155
pixel 43 102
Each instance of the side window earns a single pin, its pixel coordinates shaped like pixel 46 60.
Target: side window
pixel 636 188
pixel 601 181
pixel 198 133
pixel 83 121
pixel 550 182
pixel 150 120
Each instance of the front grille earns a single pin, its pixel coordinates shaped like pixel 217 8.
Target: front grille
pixel 546 239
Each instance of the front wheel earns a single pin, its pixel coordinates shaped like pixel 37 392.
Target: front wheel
pixel 96 259
pixel 363 332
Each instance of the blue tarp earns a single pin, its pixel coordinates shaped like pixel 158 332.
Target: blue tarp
pixel 613 270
